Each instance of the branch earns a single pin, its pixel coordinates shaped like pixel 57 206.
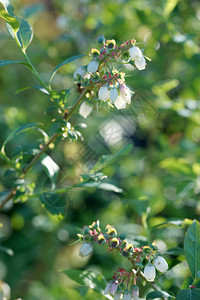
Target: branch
pixel 44 147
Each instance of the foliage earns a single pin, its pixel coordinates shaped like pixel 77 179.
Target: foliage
pixel 150 191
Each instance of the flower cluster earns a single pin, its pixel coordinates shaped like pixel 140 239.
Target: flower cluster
pixel 108 83
pixel 145 260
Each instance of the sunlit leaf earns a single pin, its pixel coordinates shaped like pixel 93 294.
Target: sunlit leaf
pixel 25 34
pixel 51 168
pixel 11 20
pixel 54 203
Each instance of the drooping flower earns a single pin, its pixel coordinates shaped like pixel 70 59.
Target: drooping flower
pixel 86 249
pixel 140 64
pixel 93 66
pixel 135 292
pixel 104 93
pixel 124 98
pixel 160 264
pixel 80 71
pixel 127 295
pixel 114 287
pixel 108 288
pixel 113 94
pixel 135 53
pixel 149 272
pixel 85 109
pixel 117 296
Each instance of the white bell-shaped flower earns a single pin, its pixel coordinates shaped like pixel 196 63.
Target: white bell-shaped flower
pixel 120 103
pixel 127 296
pixel 114 287
pixel 135 292
pixel 80 71
pixel 104 93
pixel 149 272
pixel 113 94
pixel 117 296
pixel 135 53
pixel 93 66
pixel 126 95
pixel 108 288
pixel 85 109
pixel 86 249
pixel 140 64
pixel 160 264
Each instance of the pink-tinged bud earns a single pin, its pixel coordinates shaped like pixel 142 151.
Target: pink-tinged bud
pixel 135 53
pixel 93 66
pixel 81 71
pixel 140 64
pixel 86 249
pixel 127 296
pixel 104 93
pixel 149 272
pixel 114 287
pixel 85 109
pixel 117 296
pixel 135 292
pixel 113 94
pixel 160 264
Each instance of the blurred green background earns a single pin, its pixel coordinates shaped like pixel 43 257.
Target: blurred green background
pixel 160 175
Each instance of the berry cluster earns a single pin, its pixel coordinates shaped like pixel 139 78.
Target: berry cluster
pixel 108 83
pixel 144 260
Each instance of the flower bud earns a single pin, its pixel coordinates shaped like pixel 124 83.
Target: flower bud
pixel 94 53
pixel 113 94
pixel 135 53
pixel 140 64
pixel 111 231
pixel 110 44
pixel 135 292
pixel 117 296
pixel 101 239
pixel 86 249
pixel 85 109
pixel 146 250
pixel 149 272
pixel 93 66
pixel 114 243
pixel 79 72
pixel 104 93
pixel 100 39
pixel 160 264
pixel 127 296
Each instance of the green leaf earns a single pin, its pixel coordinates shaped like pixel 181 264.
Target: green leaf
pixel 11 20
pixel 54 203
pixel 17 131
pixel 9 62
pixel 51 168
pixel 175 251
pixel 169 6
pixel 68 60
pixel 98 176
pixel 88 278
pixel 188 294
pixel 159 294
pixel 100 185
pixel 108 159
pixel 25 34
pixel 192 249
pixel 177 166
pixel 175 222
